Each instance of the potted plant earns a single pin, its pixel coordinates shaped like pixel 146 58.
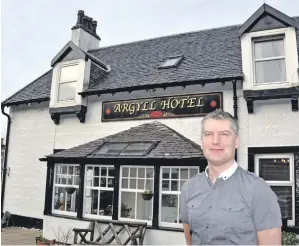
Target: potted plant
pixel 40 240
pixel 147 194
pixel 289 238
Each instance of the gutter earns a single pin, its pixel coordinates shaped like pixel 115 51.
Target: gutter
pixel 235 99
pixel 5 157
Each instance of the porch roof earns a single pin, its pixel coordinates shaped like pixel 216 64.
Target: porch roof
pixel 166 143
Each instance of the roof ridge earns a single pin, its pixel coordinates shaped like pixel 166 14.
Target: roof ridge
pixel 3 102
pixel 170 35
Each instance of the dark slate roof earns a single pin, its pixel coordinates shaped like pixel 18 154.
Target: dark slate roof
pixel 209 55
pixel 171 144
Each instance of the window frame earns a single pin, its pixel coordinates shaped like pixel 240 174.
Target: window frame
pixel 178 193
pixel 149 222
pixel 291 183
pixel 269 38
pixel 59 81
pixel 56 211
pixel 91 216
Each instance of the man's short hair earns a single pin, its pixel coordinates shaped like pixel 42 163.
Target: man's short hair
pixel 220 114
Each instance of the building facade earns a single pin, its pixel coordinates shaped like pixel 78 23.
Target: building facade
pixel 103 125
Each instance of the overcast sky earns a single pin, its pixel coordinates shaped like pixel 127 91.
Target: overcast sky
pixel 34 31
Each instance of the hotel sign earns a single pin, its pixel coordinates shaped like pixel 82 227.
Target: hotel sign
pixel 162 107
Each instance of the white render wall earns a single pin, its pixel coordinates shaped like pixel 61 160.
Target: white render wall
pixel 31 137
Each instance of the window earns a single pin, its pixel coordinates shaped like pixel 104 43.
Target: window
pixel 65 190
pixel 171 62
pixel 67 83
pixel 132 206
pixel 278 172
pixel 269 60
pixel 98 194
pixel 141 148
pixel 172 180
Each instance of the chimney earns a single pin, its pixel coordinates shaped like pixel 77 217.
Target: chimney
pixel 84 33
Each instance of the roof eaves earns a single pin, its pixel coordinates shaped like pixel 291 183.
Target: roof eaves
pixel 90 92
pixel 3 104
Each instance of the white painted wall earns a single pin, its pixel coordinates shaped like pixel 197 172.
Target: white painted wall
pixel 31 137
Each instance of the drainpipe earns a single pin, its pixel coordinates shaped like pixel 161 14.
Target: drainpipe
pixel 5 157
pixel 235 108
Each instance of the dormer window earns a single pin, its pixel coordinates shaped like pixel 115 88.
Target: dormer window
pixel 67 83
pixel 269 60
pixel 171 62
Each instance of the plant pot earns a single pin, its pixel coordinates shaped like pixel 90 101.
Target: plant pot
pixel 70 190
pixel 147 196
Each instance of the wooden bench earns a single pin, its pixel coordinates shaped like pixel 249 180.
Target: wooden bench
pixel 134 232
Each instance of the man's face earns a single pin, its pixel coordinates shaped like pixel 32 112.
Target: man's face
pixel 219 141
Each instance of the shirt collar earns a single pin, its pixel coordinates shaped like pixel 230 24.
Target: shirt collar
pixel 227 173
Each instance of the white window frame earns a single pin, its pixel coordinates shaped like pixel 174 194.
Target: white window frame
pixel 149 222
pixel 59 82
pixel 255 60
pixel 280 183
pixel 99 189
pixel 291 58
pixel 167 224
pixel 56 211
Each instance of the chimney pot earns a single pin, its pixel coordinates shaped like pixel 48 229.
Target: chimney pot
pixel 80 17
pixel 85 21
pixel 94 26
pixel 90 23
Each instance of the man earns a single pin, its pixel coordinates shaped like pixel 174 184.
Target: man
pixel 227 204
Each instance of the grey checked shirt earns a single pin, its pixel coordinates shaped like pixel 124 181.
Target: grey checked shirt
pixel 231 211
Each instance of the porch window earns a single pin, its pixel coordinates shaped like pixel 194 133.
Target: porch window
pixel 172 180
pixel 134 180
pixel 278 172
pixel 98 193
pixel 65 189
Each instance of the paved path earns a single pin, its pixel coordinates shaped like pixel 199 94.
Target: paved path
pixel 19 236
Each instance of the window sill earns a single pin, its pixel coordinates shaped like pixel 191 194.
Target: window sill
pixel 266 94
pixel 79 110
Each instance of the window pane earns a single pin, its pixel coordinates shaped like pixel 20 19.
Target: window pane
pixel 111 172
pixel 125 172
pixel 67 91
pixel 141 172
pixel 103 182
pixel 91 201
pixel 149 184
pixel 132 183
pixel 166 173
pixel 128 205
pixel 64 201
pixel 165 185
pixel 96 171
pixel 141 184
pixel 174 173
pixel 125 183
pixel 111 148
pixel 184 173
pixel 63 169
pixel 110 182
pixel 103 171
pixel 70 180
pixel 182 182
pixel 69 73
pixel 174 185
pixel 268 49
pixel 284 194
pixel 274 169
pixel 133 172
pixel 144 208
pixel 169 208
pixel 149 172
pixel 106 198
pixel 136 149
pixel 270 71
